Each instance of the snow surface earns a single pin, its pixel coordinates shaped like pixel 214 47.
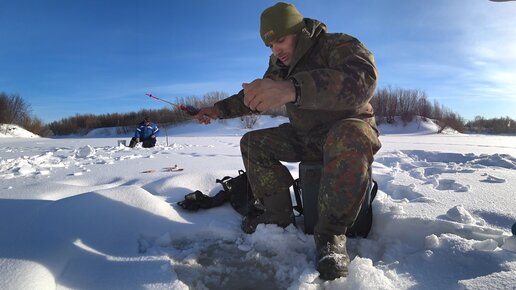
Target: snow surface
pixel 88 213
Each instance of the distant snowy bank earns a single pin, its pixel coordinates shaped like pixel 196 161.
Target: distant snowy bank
pixel 235 127
pixel 10 130
pixel 419 125
pixel 230 127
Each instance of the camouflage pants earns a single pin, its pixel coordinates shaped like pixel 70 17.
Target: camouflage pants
pixel 346 149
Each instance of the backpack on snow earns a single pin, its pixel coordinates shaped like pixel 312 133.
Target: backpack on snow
pixel 236 190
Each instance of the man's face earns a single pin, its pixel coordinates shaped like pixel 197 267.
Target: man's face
pixel 283 48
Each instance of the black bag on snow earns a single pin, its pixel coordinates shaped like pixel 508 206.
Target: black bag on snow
pixel 236 190
pixel 239 193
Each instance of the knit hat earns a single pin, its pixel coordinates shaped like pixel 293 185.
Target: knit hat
pixel 280 20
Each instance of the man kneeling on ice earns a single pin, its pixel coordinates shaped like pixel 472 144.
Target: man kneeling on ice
pixel 145 133
pixel 326 81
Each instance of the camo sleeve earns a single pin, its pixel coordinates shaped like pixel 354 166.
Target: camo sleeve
pixel 348 82
pixel 233 106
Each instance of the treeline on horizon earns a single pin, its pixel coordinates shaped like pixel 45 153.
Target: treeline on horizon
pixel 388 103
pixel 81 124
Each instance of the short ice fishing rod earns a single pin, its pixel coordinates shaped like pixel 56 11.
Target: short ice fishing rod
pixel 190 110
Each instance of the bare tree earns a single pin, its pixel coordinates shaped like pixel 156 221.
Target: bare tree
pixel 13 109
pixel 4 108
pixel 437 111
pixel 249 121
pixel 424 106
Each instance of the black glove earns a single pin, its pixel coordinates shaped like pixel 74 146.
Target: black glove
pixel 195 200
pixel 152 136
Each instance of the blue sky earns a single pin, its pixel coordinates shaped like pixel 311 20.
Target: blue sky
pixel 66 57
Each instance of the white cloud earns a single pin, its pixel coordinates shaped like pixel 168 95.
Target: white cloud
pixel 478 51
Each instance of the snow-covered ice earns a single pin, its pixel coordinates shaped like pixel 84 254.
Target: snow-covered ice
pixel 88 213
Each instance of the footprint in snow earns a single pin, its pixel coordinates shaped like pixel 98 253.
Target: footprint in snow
pixel 448 184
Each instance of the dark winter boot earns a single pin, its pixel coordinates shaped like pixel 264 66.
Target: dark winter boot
pixel 332 257
pixel 133 142
pixel 277 210
pixel 149 143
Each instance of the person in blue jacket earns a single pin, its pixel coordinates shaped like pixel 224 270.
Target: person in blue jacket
pixel 145 133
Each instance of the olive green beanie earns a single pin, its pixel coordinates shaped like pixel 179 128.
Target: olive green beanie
pixel 280 20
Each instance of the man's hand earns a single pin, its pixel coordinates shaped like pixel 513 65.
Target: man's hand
pixel 205 115
pixel 264 94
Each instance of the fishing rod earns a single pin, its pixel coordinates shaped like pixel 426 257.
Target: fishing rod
pixel 190 110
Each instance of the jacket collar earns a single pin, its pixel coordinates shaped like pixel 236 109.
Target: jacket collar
pixel 305 41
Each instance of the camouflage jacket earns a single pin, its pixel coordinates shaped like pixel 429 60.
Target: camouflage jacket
pixel 336 74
